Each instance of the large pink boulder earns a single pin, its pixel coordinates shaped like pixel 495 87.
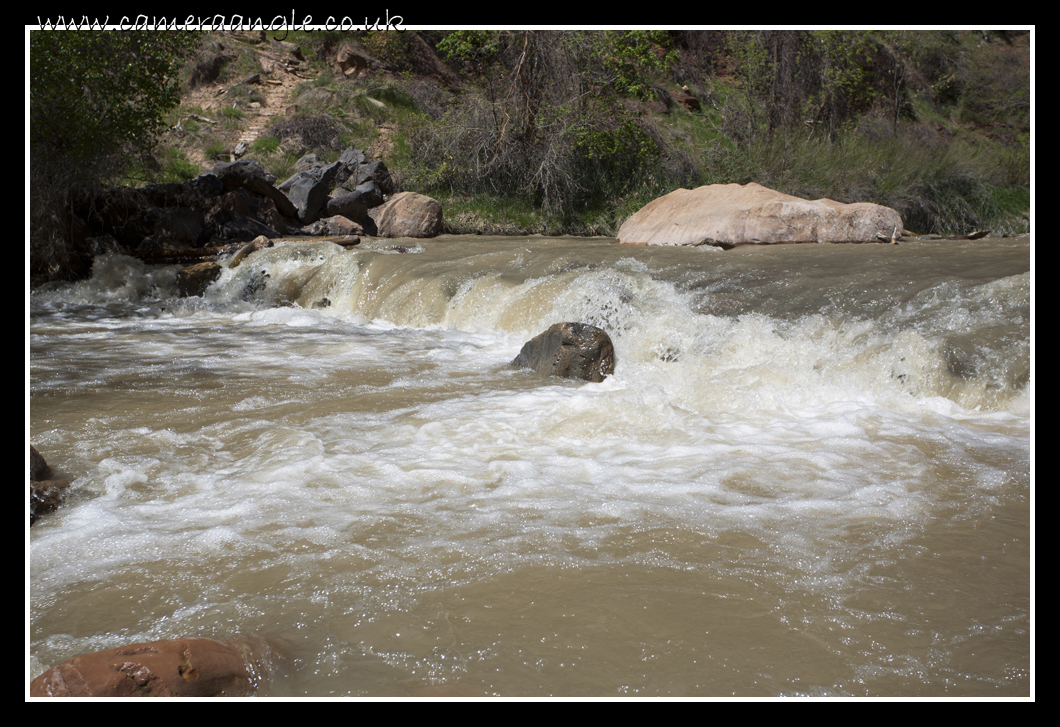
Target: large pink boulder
pixel 192 667
pixel 734 214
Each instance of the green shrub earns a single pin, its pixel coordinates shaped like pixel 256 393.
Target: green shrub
pixel 265 144
pixel 215 150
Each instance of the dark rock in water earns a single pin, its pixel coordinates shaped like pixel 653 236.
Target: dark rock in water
pixel 45 497
pixel 193 667
pixel 571 350
pixel 38 468
pixel 195 279
pixel 255 285
pixel 46 491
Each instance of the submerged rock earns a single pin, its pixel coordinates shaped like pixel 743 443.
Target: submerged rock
pixel 38 468
pixel 732 214
pixel 193 667
pixel 195 279
pixel 570 350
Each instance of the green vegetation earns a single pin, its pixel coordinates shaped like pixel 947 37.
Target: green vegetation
pixel 566 132
pixel 97 101
pixel 584 127
pixel 544 122
pixel 175 167
pixel 265 145
pixel 98 94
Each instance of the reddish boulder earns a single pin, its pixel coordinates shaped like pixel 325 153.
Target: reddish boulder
pixel 192 667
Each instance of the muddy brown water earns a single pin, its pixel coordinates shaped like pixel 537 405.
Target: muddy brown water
pixel 809 475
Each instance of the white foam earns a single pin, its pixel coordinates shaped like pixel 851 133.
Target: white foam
pixel 257 458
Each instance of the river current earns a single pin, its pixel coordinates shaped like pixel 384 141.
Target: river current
pixel 810 474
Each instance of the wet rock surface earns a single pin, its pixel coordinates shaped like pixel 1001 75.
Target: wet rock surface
pixel 192 667
pixel 569 350
pixel 47 491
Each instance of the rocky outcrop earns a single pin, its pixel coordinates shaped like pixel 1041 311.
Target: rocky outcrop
pixel 354 206
pixel 570 350
pixel 193 667
pixel 375 172
pixel 251 175
pixel 408 214
pixel 351 60
pixel 239 201
pixel 336 226
pixel 732 214
pixel 308 196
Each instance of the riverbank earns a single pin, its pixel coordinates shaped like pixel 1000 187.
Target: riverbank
pixel 945 170
pixel 582 145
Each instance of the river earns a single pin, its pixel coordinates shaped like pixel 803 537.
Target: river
pixel 810 474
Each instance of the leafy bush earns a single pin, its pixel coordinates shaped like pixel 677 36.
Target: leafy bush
pixel 96 93
pixel 97 101
pixel 545 123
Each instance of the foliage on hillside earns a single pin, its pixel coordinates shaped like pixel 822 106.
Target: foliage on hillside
pixel 584 126
pixel 97 101
pixel 572 131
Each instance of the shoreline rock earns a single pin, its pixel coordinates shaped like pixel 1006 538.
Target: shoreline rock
pixel 408 214
pixel 189 667
pixel 241 200
pixel 726 215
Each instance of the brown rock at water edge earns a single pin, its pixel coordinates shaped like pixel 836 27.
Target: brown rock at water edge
pixel 192 667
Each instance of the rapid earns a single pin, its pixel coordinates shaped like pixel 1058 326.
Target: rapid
pixel 810 474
